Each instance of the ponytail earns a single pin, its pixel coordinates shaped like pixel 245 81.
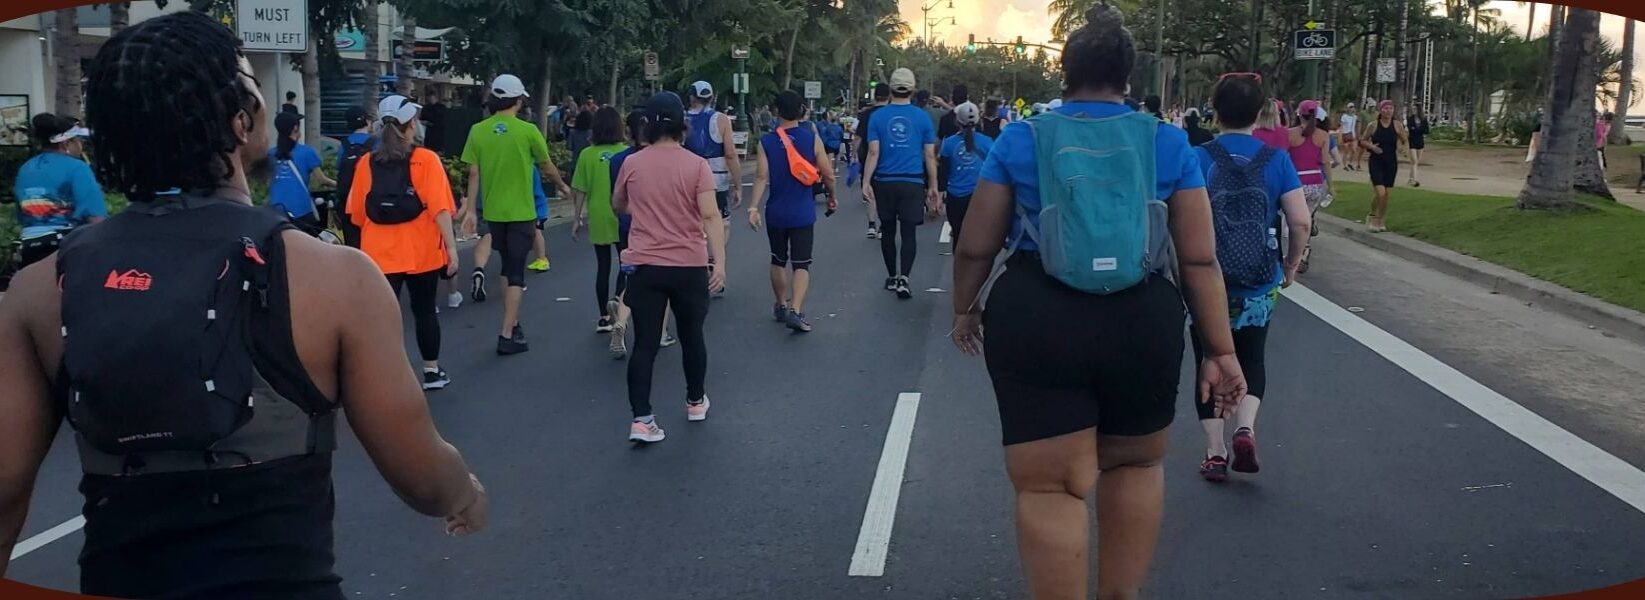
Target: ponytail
pixel 395 144
pixel 283 147
pixel 1309 125
pixel 970 142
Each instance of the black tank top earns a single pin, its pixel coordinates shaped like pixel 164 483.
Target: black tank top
pixel 1387 139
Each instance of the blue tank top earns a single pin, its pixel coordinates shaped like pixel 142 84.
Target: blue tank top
pixel 791 203
pixel 700 138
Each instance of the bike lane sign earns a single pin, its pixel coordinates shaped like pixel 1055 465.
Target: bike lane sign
pixel 1318 44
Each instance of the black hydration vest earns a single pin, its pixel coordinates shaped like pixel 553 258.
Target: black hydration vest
pixel 177 344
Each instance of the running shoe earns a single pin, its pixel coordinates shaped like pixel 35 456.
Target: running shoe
pixel 1302 267
pixel 891 284
pixel 903 291
pixel 604 326
pixel 698 411
pixel 1214 469
pixel 669 339
pixel 873 232
pixel 648 433
pixel 779 313
pixel 477 290
pixel 514 344
pixel 435 379
pixel 619 344
pixel 796 321
pixel 1245 452
pixel 540 265
pixel 454 300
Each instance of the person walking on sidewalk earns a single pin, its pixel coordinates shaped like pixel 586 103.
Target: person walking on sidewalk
pixel 234 501
pixel 794 161
pixel 1251 185
pixel 1086 377
pixel 591 201
pixel 959 163
pixel 670 193
pixel 1348 126
pixel 1383 139
pixel 1417 127
pixel 501 152
pixel 401 202
pixel 901 176
pixel 1310 152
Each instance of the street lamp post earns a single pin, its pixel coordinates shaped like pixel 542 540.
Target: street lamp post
pixel 925 11
pixel 929 23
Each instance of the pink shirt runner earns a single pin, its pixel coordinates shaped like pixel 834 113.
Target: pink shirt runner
pixel 1278 138
pixel 661 185
pixel 1306 156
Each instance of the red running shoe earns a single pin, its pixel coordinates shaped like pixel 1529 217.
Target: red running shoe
pixel 1214 469
pixel 1245 452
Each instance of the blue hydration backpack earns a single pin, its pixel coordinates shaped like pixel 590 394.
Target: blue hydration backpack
pixel 1243 214
pixel 1101 230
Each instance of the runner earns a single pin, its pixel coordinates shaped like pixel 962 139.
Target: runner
pixel 882 96
pixel 232 502
pixel 1310 153
pixel 848 138
pixel 1250 184
pixel 1196 135
pixel 501 153
pixel 959 163
pixel 1348 131
pixel 1270 125
pixel 710 137
pixel 1382 138
pixel 636 124
pixel 591 202
pixel 948 125
pixel 356 145
pixel 992 121
pixel 670 193
pixel 408 235
pixel 902 177
pixel 55 191
pixel 295 165
pixel 1417 126
pixel 1086 382
pixel 795 161
pixel 539 246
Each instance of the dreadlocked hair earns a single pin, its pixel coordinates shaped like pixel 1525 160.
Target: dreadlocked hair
pixel 163 96
pixel 1101 54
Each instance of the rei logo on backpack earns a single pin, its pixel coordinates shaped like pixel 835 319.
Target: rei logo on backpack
pixel 1101 230
pixel 392 199
pixel 1243 214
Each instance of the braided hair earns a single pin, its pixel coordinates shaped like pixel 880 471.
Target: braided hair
pixel 163 96
pixel 1101 54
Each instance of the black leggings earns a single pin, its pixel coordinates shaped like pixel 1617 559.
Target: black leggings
pixel 901 205
pixel 602 273
pixel 957 206
pixel 424 290
pixel 651 291
pixel 1250 347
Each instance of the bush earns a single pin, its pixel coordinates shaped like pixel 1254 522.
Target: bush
pixel 1448 133
pixel 1518 127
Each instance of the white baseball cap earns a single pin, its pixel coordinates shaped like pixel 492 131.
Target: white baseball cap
pixel 400 108
pixel 967 114
pixel 76 131
pixel 1054 104
pixel 508 86
pixel 702 89
pixel 902 80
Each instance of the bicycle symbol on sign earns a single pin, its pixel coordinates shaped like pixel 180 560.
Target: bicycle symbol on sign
pixel 1315 40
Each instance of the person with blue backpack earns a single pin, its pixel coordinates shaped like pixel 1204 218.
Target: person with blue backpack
pixel 1085 324
pixel 1251 185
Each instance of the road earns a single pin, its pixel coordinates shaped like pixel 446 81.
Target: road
pixel 1377 482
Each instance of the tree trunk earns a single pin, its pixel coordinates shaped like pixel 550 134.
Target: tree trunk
pixel 1473 82
pixel 788 61
pixel 403 59
pixel 1549 185
pixel 1589 175
pixel 310 69
pixel 545 96
pixel 851 85
pixel 616 69
pixel 119 17
pixel 1530 21
pixel 1625 91
pixel 369 31
pixel 65 40
pixel 1329 70
pixel 1254 65
pixel 1402 72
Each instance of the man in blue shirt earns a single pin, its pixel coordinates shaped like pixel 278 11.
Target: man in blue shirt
pixel 902 173
pixel 55 190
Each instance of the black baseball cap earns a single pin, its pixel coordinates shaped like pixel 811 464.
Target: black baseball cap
pixel 882 90
pixel 286 122
pixel 356 117
pixel 664 107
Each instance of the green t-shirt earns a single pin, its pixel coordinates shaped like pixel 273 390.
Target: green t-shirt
pixel 506 149
pixel 593 177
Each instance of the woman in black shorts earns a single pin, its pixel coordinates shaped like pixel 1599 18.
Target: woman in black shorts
pixel 1383 138
pixel 1087 383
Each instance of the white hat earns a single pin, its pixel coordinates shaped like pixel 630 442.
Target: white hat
pixel 967 114
pixel 76 131
pixel 508 86
pixel 1054 104
pixel 702 89
pixel 400 108
pixel 902 80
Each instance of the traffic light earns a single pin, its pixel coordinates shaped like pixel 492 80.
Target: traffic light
pixel 1021 47
pixel 971 43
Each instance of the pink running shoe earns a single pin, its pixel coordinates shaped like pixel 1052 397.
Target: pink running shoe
pixel 1245 452
pixel 697 412
pixel 645 432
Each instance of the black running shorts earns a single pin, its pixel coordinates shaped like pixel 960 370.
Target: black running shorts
pixel 513 241
pixel 1384 171
pixel 1063 360
pixel 791 246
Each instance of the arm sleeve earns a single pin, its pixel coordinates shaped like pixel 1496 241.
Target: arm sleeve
pixel 311 160
pixel 88 196
pixel 539 146
pixel 930 132
pixel 994 168
pixel 705 178
pixel 432 184
pixel 582 178
pixel 1284 172
pixel 873 133
pixel 1190 177
pixel 470 154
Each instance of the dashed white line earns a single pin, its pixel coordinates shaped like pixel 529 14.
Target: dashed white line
pixel 1588 461
pixel 48 536
pixel 874 540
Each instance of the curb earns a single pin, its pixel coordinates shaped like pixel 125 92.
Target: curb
pixel 1502 280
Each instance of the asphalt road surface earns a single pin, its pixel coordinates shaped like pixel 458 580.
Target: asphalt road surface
pixel 1387 474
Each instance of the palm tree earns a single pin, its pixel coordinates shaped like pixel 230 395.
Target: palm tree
pixel 1530 20
pixel 370 33
pixel 1625 87
pixel 1549 186
pixel 65 40
pixel 1070 14
pixel 403 60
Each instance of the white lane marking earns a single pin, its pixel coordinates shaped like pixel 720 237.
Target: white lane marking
pixel 947 234
pixel 1588 461
pixel 874 540
pixel 48 536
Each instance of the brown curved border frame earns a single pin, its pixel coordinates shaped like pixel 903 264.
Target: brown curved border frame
pixel 21 8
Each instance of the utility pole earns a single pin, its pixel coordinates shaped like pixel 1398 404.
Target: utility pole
pixel 925 12
pixel 1313 65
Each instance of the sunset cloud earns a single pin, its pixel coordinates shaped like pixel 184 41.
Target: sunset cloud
pixel 998 19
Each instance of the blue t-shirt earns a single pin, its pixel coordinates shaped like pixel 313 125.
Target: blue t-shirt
pixel 1279 177
pixel 623 219
pixel 791 204
pixel 290 188
pixel 902 130
pixel 1012 163
pixel 56 192
pixel 964 165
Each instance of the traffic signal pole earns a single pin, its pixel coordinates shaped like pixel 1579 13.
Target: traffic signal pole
pixel 1313 65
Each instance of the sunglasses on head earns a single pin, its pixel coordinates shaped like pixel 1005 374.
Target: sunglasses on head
pixel 1256 76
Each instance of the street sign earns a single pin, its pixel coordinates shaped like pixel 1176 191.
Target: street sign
pixel 651 68
pixel 739 83
pixel 739 52
pixel 1320 44
pixel 813 90
pixel 1386 68
pixel 273 25
pixel 422 50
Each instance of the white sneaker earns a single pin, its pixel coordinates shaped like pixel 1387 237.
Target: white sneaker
pixel 619 346
pixel 669 339
pixel 454 300
pixel 697 412
pixel 648 433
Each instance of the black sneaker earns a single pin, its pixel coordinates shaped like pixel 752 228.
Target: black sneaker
pixel 779 313
pixel 435 380
pixel 796 321
pixel 891 284
pixel 902 288
pixel 477 290
pixel 512 345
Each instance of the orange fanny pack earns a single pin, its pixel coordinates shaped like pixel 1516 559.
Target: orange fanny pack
pixel 798 166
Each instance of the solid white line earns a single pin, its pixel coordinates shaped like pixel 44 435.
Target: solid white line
pixel 947 234
pixel 1599 467
pixel 48 536
pixel 874 539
